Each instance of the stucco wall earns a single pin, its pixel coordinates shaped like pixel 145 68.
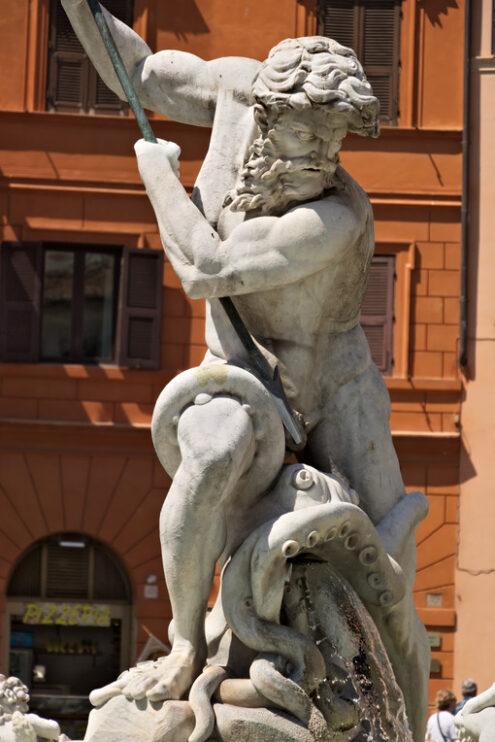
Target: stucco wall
pixel 475 574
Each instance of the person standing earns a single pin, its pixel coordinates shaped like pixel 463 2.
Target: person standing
pixel 469 690
pixel 441 727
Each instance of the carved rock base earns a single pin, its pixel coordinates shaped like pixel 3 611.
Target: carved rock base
pixel 359 700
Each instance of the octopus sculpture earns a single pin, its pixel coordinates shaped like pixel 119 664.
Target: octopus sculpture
pixel 292 620
pixel 301 639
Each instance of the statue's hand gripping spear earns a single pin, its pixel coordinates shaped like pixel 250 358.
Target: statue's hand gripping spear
pixel 259 365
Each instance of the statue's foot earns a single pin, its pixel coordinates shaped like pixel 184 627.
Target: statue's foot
pixel 177 672
pixel 163 679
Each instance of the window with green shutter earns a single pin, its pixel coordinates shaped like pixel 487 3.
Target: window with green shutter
pixel 372 29
pixel 73 83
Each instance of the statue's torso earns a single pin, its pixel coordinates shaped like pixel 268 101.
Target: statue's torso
pixel 304 324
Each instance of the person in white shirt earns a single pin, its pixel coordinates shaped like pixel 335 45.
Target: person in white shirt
pixel 441 727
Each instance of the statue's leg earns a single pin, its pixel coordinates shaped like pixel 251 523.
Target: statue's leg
pixel 355 435
pixel 216 440
pixel 217 445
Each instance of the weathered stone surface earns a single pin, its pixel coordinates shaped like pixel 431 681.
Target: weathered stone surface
pixel 277 225
pixel 16 724
pixel 475 722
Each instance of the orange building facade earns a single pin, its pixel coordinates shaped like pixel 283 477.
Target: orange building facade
pixel 75 448
pixel 475 568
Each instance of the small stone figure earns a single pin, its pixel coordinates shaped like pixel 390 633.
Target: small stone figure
pixel 475 722
pixel 16 724
pixel 277 224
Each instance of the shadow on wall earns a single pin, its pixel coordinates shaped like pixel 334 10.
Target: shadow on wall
pixel 467 469
pixel 181 19
pixel 436 8
pixel 473 251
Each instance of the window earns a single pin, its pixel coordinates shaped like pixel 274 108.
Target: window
pixel 68 303
pixel 69 566
pixel 377 311
pixel 73 83
pixel 68 616
pixel 372 29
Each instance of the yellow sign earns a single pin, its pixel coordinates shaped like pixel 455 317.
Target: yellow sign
pixel 67 614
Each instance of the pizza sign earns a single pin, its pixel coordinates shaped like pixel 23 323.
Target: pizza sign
pixel 67 614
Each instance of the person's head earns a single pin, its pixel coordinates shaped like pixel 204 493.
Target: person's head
pixel 469 688
pixel 307 95
pixel 445 700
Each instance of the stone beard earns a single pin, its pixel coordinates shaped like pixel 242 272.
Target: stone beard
pixel 263 180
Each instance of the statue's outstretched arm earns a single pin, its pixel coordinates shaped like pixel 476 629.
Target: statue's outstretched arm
pixel 176 84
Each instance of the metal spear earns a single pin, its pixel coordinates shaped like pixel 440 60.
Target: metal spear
pixel 259 365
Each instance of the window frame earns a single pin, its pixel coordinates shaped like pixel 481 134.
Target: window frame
pixel 386 319
pixel 77 302
pixel 38 23
pixel 129 290
pixel 88 103
pixel 122 610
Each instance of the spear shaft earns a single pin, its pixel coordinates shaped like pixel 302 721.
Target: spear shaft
pixel 260 366
pixel 121 71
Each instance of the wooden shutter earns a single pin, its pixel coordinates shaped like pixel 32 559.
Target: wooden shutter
pixel 68 65
pixel 20 301
pixel 67 572
pixel 140 308
pixel 73 83
pixel 377 311
pixel 101 98
pixel 372 29
pixel 380 53
pixel 339 20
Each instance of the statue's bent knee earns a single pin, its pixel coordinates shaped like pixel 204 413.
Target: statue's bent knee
pixel 214 429
pixel 218 412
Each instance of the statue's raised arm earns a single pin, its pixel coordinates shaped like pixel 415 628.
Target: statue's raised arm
pixel 177 84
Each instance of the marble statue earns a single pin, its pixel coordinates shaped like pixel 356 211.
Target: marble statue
pixel 315 635
pixel 16 724
pixel 475 722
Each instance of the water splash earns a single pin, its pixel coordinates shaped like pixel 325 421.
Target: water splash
pixel 359 698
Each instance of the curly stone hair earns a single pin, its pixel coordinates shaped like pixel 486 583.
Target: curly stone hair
pixel 315 70
pixel 14 696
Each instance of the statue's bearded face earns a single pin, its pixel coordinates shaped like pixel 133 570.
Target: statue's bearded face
pixel 294 160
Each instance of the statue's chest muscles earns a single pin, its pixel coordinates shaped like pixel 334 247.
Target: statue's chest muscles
pixel 288 312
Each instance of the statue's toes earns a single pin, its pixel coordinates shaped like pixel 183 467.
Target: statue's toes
pixel 135 689
pixel 45 728
pixel 99 696
pixel 159 692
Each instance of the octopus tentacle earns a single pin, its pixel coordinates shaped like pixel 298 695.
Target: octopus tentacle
pixel 398 525
pixel 261 633
pixel 338 532
pixel 199 700
pixel 283 692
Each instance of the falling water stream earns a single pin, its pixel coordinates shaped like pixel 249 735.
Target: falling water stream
pixel 359 698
